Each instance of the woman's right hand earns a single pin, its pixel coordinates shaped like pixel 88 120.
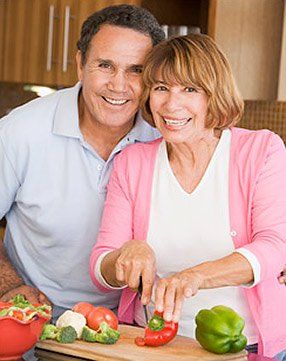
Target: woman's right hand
pixel 137 259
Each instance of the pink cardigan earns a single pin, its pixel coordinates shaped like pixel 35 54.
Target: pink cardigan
pixel 257 192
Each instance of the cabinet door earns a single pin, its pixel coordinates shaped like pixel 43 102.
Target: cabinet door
pixel 42 41
pixel 15 40
pixel 282 73
pixel 2 5
pixel 31 37
pixel 68 35
pixel 249 32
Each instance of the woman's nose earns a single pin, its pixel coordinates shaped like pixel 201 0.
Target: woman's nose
pixel 172 102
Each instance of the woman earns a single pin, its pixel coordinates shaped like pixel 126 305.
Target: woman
pixel 199 215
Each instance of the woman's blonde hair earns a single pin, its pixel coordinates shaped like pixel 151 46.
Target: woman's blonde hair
pixel 195 60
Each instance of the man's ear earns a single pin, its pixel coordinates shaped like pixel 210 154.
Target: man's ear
pixel 79 66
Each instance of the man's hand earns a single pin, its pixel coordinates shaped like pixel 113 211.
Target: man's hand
pixel 282 277
pixel 32 294
pixel 137 259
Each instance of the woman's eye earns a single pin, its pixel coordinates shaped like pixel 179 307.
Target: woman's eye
pixel 190 89
pixel 160 88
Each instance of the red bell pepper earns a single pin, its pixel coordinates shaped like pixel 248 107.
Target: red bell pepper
pixel 158 332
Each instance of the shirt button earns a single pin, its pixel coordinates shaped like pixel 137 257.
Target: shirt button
pixel 99 167
pixel 233 233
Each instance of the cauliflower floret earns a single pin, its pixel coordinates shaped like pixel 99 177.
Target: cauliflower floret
pixel 74 319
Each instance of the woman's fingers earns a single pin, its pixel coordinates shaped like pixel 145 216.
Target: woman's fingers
pixel 160 295
pixel 148 277
pixel 136 259
pixel 178 305
pixel 171 292
pixel 169 299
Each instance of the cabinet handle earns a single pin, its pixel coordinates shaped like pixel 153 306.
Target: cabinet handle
pixel 66 38
pixel 50 37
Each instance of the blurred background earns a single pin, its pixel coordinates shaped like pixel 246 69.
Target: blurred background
pixel 38 45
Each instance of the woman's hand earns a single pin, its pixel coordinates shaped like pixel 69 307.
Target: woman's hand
pixel 137 259
pixel 171 292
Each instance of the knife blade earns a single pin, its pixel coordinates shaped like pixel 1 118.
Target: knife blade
pixel 140 290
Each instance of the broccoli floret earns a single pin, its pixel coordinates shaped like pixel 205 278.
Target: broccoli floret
pixel 66 334
pixel 88 334
pixel 49 332
pixel 105 334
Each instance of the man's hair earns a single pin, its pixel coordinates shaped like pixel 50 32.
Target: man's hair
pixel 127 16
pixel 195 60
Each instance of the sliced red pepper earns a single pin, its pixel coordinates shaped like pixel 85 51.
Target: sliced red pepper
pixel 158 332
pixel 18 314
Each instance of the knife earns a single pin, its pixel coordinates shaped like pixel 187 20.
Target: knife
pixel 140 290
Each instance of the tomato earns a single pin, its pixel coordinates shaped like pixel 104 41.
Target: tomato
pixel 84 308
pixel 101 314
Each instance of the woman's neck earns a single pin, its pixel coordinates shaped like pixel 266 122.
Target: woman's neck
pixel 189 160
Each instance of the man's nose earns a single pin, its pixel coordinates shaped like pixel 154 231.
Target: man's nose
pixel 118 82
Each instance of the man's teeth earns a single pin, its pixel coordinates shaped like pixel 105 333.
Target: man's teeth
pixel 178 122
pixel 115 101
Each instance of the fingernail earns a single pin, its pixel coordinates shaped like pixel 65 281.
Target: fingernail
pixel 188 293
pixel 176 319
pixel 168 316
pixel 159 308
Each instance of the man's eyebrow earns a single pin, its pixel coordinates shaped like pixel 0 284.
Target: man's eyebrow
pixel 101 60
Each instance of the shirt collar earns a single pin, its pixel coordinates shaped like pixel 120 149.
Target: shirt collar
pixel 66 120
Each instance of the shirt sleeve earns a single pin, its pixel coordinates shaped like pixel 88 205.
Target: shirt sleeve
pixel 255 265
pixel 9 183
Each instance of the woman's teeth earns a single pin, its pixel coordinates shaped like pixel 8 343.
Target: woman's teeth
pixel 176 122
pixel 115 101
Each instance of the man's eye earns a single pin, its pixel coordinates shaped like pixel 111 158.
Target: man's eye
pixel 190 89
pixel 105 65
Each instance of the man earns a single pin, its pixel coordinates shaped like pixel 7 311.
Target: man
pixel 56 155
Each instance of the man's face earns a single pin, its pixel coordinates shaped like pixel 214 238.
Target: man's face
pixel 111 75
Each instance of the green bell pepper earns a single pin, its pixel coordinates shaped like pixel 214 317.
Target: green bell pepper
pixel 219 330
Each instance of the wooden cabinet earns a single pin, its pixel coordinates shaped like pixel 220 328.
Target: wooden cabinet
pixel 34 40
pixel 1 38
pixel 282 72
pixel 40 38
pixel 250 32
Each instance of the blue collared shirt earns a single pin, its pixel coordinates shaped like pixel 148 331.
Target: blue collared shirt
pixel 52 192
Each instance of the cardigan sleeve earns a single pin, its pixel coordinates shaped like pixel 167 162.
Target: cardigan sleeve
pixel 268 212
pixel 117 218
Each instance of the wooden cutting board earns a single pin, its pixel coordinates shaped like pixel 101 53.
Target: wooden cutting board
pixel 180 349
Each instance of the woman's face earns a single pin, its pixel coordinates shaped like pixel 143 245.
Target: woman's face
pixel 179 112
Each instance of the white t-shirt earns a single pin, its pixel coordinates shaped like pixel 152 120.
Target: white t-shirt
pixel 188 229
